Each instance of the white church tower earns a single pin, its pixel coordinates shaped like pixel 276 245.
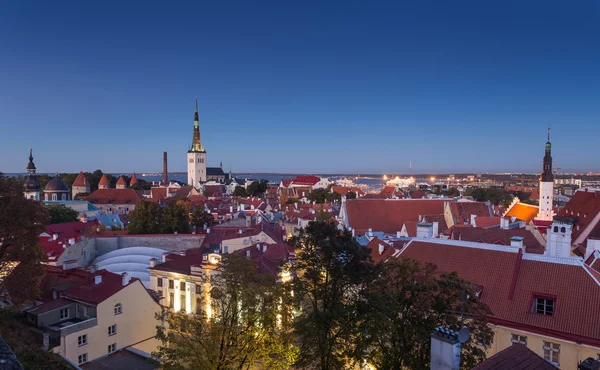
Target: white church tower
pixel 196 157
pixel 545 212
pixel 32 185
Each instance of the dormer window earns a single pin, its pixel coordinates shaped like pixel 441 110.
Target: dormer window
pixel 543 306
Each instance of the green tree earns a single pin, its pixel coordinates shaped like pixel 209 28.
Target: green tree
pixel 243 331
pixel 407 301
pixel 452 192
pixel 61 213
pixel 142 185
pixel 175 218
pixel 258 188
pixel 332 270
pixel 350 195
pixel 240 191
pixel 146 218
pixel 21 222
pixel 319 196
pixel 200 218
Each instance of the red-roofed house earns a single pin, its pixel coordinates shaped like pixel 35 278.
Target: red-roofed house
pixel 343 190
pixel 464 212
pixel 386 215
pixel 550 304
pixel 584 208
pixel 91 314
pixel 120 201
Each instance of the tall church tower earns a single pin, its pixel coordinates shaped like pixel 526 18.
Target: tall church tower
pixel 196 156
pixel 546 186
pixel 31 186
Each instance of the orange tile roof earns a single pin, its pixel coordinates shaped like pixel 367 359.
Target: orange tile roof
pixel 81 180
pixel 121 181
pixel 522 211
pixel 584 206
pixel 104 181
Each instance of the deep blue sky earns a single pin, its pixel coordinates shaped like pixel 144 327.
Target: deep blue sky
pixel 300 86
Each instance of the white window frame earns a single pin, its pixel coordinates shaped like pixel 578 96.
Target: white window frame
pixel 548 351
pixel 118 309
pixel 54 197
pixel 82 359
pixel 112 330
pixel 545 306
pixel 518 339
pixel 82 340
pixel 64 313
pixel 112 348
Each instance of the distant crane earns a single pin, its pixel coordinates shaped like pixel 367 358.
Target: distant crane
pixel 556 169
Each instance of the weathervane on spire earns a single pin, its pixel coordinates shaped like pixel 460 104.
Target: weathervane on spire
pixel 548 132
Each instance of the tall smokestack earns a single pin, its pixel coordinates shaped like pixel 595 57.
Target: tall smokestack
pixel 165 172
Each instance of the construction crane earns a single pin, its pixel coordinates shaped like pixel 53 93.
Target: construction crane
pixel 556 169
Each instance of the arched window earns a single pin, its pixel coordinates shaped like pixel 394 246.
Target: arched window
pixel 45 196
pixel 118 309
pixel 53 197
pixel 64 197
pixel 563 230
pixel 555 229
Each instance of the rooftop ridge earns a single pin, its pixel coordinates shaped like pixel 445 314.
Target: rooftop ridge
pixel 468 244
pixel 573 261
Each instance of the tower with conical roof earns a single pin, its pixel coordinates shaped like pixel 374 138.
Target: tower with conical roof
pixel 545 212
pixel 196 156
pixel 32 185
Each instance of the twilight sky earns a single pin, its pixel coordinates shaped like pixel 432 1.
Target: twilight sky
pixel 306 86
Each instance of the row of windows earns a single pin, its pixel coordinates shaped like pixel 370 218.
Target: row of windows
pixel 83 358
pixel 55 197
pixel 181 285
pixel 551 351
pixel 200 160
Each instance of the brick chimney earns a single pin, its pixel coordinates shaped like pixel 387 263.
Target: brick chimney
pixel 165 172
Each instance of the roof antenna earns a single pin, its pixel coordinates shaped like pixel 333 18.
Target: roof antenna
pixel 548 132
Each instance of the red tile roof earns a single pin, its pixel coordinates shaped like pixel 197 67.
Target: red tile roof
pixel 584 206
pixel 80 180
pixel 388 215
pixel 79 284
pixel 104 181
pixel 181 264
pixel 134 180
pixel 343 190
pixel 390 191
pixel 512 280
pixel 286 182
pixel 373 246
pixel 114 196
pixel 498 236
pixel 484 222
pixel 462 211
pixel 121 181
pixel 515 357
pixel 306 180
pixel 522 211
pixel 50 306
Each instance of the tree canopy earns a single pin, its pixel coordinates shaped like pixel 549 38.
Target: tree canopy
pixel 405 304
pixel 258 188
pixel 332 270
pixel 495 196
pixel 21 222
pixel 145 218
pixel 245 329
pixel 200 218
pixel 240 191
pixel 323 196
pixel 61 213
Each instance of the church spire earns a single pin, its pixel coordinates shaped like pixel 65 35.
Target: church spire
pixel 547 175
pixel 196 143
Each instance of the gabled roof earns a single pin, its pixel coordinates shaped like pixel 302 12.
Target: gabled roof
pixel 343 190
pixel 305 180
pixel 121 181
pixel 271 259
pixel 388 215
pixel 214 171
pixel 376 256
pixel 133 180
pixel 522 211
pixel 80 180
pixel 515 357
pixel 584 206
pixel 114 196
pixel 79 284
pixel 104 181
pixel 485 222
pixel 511 280
pixel 462 211
pixel 180 264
